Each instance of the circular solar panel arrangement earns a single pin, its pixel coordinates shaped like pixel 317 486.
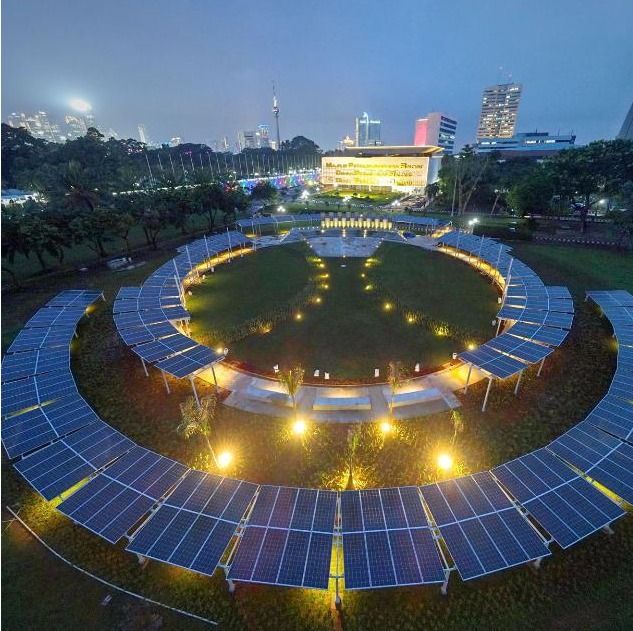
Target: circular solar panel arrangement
pixel 278 535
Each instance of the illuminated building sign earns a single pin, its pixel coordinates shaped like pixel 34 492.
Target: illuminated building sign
pixel 375 173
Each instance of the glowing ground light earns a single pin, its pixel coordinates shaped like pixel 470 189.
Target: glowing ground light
pixel 362 275
pixel 471 346
pixel 388 306
pixel 298 316
pixel 386 427
pixel 367 287
pixel 445 462
pixel 317 299
pixel 299 427
pixel 410 319
pixel 219 350
pixel 225 459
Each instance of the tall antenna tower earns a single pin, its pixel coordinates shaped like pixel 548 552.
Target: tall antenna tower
pixel 276 115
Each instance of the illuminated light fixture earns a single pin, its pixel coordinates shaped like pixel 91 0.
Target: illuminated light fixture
pixel 367 287
pixel 445 462
pixel 298 316
pixel 388 306
pixel 299 427
pixel 281 209
pixel 317 299
pixel 410 319
pixel 362 275
pixel 386 427
pixel 219 350
pixel 225 459
pixel 471 346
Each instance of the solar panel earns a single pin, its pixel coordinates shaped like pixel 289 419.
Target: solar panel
pixel 56 316
pixel 189 362
pixel 41 425
pixel 166 346
pixel 288 538
pixel 520 349
pixel 498 365
pixel 116 499
pixel 544 334
pixel 33 339
pixel 387 540
pixel 604 458
pixel 75 297
pixel 614 414
pixel 30 363
pixel 58 467
pixel 483 531
pixel 194 539
pixel 565 505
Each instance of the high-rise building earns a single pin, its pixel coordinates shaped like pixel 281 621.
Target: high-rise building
pixel 537 144
pixel 367 131
pixel 143 134
pixel 38 125
pixel 499 110
pixel 175 141
pixel 436 129
pixel 75 126
pixel 247 139
pixel 226 145
pixel 263 136
pixel 626 133
pixel 345 143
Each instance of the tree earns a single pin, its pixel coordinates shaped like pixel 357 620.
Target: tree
pixel 353 442
pixel 210 199
pixel 457 421
pixel 291 380
pixel 78 194
pixel 264 191
pixel 395 379
pixel 532 193
pixel 460 175
pixel 198 420
pixel 94 229
pixel 122 223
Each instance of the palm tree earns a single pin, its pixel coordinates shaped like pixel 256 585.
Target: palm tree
pixel 353 441
pixel 458 425
pixel 395 379
pixel 198 420
pixel 291 380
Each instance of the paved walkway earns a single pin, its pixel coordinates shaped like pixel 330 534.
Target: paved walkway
pixel 343 404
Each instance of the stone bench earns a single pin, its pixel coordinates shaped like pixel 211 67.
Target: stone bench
pixel 267 396
pixel 417 396
pixel 341 403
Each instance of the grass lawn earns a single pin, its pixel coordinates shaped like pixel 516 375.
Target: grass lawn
pixel 586 587
pixel 349 332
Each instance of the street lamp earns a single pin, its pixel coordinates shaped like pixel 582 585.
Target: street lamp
pixel 445 462
pixel 225 459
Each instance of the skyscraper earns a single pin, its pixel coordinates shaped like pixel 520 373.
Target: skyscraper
pixel 247 139
pixel 499 110
pixel 75 126
pixel 626 133
pixel 143 134
pixel 38 125
pixel 263 136
pixel 436 129
pixel 367 131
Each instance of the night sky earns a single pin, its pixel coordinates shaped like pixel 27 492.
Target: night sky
pixel 202 69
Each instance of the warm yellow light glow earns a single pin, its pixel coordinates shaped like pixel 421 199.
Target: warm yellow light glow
pixel 298 316
pixel 471 346
pixel 367 287
pixel 321 265
pixel 325 286
pixel 317 299
pixel 410 319
pixel 225 459
pixel 386 427
pixel 388 306
pixel 299 427
pixel 362 275
pixel 219 350
pixel 445 462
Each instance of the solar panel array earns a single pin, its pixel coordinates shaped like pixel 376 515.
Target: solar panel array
pixel 483 530
pixel 288 538
pixel 145 317
pixel 387 540
pixel 274 220
pixel 543 314
pixel 40 401
pixel 562 502
pixel 194 525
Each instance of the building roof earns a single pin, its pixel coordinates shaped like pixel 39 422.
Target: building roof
pixel 393 150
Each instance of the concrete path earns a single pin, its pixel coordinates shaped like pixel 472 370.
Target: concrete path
pixel 419 396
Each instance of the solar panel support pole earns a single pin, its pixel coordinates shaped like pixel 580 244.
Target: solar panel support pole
pixel 165 382
pixel 540 368
pixel 483 407
pixel 215 379
pixel 498 326
pixel 536 564
pixel 497 263
pixel 470 369
pixel 195 392
pixel 607 529
pixel 144 367
pixel 231 586
pixel 516 388
pixel 444 587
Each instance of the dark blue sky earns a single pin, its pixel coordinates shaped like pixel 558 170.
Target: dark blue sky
pixel 201 69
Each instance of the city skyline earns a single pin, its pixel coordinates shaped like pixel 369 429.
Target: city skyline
pixel 564 88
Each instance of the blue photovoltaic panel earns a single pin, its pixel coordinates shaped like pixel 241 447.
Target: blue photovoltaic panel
pixel 567 507
pixel 56 468
pixel 112 502
pixel 483 531
pixel 30 363
pixel 288 538
pixel 613 298
pixel 33 339
pixel 75 297
pixel 544 334
pixel 614 414
pixel 39 426
pixel 493 362
pixel 56 316
pixel 189 362
pixel 387 540
pixel 159 349
pixel 520 349
pixel 604 458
